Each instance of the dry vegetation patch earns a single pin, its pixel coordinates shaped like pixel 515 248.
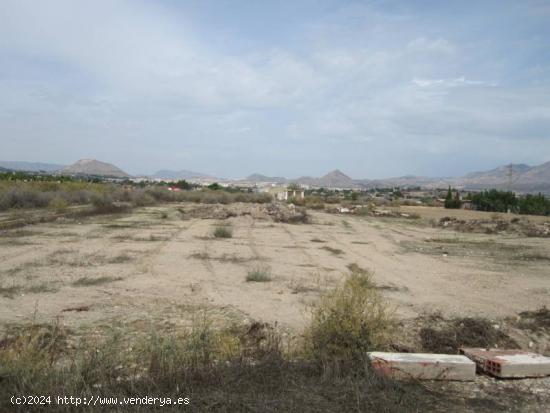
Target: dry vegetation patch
pixel 259 274
pixel 90 281
pixel 447 336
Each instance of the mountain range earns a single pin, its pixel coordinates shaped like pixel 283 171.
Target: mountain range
pixel 514 177
pixel 30 166
pixel 183 174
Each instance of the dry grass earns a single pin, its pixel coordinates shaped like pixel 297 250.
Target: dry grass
pixel 235 369
pixel 538 320
pixel 88 281
pixel 260 274
pixel 350 320
pixel 223 232
pixel 334 251
pixel 447 336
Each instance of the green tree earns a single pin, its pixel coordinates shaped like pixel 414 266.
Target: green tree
pixel 183 184
pixel 452 202
pixel 215 186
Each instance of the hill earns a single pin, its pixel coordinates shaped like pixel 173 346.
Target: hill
pixel 334 179
pixel 514 177
pixel 30 166
pixel 183 174
pixel 263 178
pixel 92 167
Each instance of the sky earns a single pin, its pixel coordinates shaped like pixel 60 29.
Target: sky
pixel 286 88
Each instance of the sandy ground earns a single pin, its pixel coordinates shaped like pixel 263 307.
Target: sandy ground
pixel 152 265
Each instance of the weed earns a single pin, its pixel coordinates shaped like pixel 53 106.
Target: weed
pixel 119 259
pixel 223 232
pixel 59 205
pixel 200 256
pixel 350 320
pixel 243 368
pixel 535 320
pixel 260 274
pixel 334 251
pixel 10 292
pixel 462 332
pixel 41 288
pixel 87 281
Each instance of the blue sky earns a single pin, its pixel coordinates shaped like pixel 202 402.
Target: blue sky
pixel 374 88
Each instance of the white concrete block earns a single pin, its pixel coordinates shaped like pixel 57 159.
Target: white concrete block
pixel 509 363
pixel 423 366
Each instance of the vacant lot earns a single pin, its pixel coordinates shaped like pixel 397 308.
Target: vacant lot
pixel 158 263
pixel 162 269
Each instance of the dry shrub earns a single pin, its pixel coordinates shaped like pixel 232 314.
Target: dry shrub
pixel 350 320
pixel 223 232
pixel 59 205
pixel 259 274
pixel 535 320
pixel 221 370
pixel 450 335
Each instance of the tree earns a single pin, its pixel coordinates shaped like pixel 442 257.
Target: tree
pixel 452 202
pixel 215 186
pixel 183 184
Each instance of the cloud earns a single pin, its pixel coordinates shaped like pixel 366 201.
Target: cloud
pixel 343 82
pixel 450 83
pixel 425 45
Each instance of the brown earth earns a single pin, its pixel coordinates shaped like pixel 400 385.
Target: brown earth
pixel 158 263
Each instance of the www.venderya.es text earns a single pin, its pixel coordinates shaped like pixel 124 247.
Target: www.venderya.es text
pixel 99 400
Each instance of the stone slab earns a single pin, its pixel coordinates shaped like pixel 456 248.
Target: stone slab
pixel 423 366
pixel 509 363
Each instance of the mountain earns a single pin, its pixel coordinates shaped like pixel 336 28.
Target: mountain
pixel 264 178
pixel 536 178
pixel 501 172
pixel 30 166
pixel 403 181
pixel 4 169
pixel 334 179
pixel 337 179
pixel 94 168
pixel 183 174
pixel 513 177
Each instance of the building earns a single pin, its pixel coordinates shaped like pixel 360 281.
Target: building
pixel 283 193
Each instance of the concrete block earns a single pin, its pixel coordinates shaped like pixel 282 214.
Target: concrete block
pixel 509 363
pixel 423 366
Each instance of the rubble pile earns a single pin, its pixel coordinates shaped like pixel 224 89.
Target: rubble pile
pixel 496 226
pixel 277 212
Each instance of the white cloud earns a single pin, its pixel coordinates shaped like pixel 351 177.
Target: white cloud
pixel 450 83
pixel 423 45
pixel 132 73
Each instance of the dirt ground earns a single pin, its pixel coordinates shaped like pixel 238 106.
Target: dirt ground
pixel 159 264
pixel 159 267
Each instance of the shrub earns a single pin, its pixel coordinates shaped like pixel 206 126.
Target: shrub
pixel 59 205
pixel 223 232
pixel 262 274
pixel 24 198
pixel 233 370
pixel 350 320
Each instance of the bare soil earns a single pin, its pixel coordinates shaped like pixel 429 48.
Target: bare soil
pixel 158 266
pixel 159 262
